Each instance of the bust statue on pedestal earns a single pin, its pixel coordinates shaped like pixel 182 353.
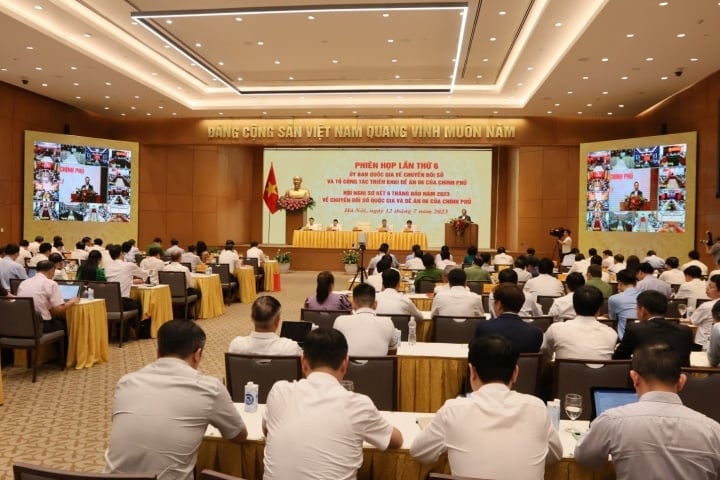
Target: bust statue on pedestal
pixel 297 191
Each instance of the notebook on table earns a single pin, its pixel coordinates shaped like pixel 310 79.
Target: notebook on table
pixel 604 398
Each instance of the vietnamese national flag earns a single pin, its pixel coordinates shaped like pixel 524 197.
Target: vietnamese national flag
pixel 270 195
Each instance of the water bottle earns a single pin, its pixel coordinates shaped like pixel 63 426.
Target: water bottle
pixel 412 331
pixel 553 409
pixel 90 294
pixel 208 271
pixel 251 397
pixel 412 288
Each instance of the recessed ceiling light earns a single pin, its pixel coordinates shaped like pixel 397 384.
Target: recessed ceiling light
pixel 221 113
pixel 624 78
pixel 167 46
pixel 108 83
pixel 622 105
pixel 589 105
pixel 168 21
pixel 610 113
pixel 629 35
pixel 604 59
pixel 478 76
pixel 148 114
pixel 132 108
pixel 154 74
pixel 29 47
pixel 663 78
pixel 310 17
pixel 519 84
pixel 557 104
pixel 76 84
pixel 680 35
pixel 238 19
pixel 663 4
pixel 87 35
pixel 694 59
pixel 38 7
pixel 39 69
pixel 386 15
pixel 78 97
pixel 354 112
pixel 3 69
pixel 394 60
pixel 579 113
pixel 400 112
pixel 649 59
pixel 198 45
pixel 73 68
pixel 277 62
pixel 221 63
pixel 264 113
pixel 585 77
pixel 137 97
pixel 44 84
pixel 107 97
pixel 390 40
pixel 397 76
pixel 106 108
pixel 174 113
pixel 447 111
pixel 485 60
pixel 261 43
pixel 122 114
pixel 334 61
pixel 530 69
pixel 558 24
pixel 291 78
pixel 549 112
pixel 605 93
pixel 502 12
pixel 570 92
pixel 161 107
pixel 495 112
pixel 240 79
pixel 309 112
pixel 492 39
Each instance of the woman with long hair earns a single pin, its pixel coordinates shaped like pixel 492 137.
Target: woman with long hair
pixel 324 298
pixel 91 269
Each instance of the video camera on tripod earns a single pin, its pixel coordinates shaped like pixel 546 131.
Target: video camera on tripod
pixel 557 232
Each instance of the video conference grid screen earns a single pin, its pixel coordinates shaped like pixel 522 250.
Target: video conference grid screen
pixel 639 189
pixel 83 183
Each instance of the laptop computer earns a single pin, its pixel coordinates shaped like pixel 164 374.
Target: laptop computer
pixel 295 330
pixel 69 291
pixel 604 398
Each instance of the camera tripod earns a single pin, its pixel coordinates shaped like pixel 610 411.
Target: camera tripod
pixel 361 268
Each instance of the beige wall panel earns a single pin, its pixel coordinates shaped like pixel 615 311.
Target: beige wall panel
pixel 205 228
pixel 204 204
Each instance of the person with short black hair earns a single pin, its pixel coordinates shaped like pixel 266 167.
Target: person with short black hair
pixel 562 307
pixel 582 336
pixel 444 258
pixel 702 316
pixel 642 437
pixel 652 258
pixel 9 267
pixel 580 264
pixel 47 299
pixel 476 272
pixel 623 305
pixel 457 300
pixel 314 427
pixel 607 259
pixel 648 281
pixel 43 254
pixel 152 264
pixel 713 353
pixel 594 278
pixel 545 284
pixel 174 247
pixel 480 432
pixel 126 273
pixel 530 307
pixel 471 252
pixel 383 249
pixel 672 274
pixel 389 300
pixel 34 246
pixel 157 242
pixel 368 334
pixel 191 257
pixel 431 272
pixel 521 263
pixel 508 299
pixel 255 252
pixel 618 263
pixel 175 265
pixel 694 257
pixel 376 279
pixel 59 262
pixel 263 340
pixel 161 412
pixel 24 254
pixel 79 253
pixel 653 327
pixel 694 287
pixel 502 258
pixel 230 257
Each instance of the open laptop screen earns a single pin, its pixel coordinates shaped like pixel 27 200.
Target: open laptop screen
pixel 295 330
pixel 604 398
pixel 69 291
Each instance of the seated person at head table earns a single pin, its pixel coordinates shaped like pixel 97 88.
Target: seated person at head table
pixel 265 313
pixel 324 298
pixel 297 191
pixel 464 216
pixel 384 226
pixel 335 226
pixel 409 227
pixel 311 225
pixel 479 432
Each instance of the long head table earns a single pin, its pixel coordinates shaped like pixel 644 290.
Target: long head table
pixel 329 239
pixel 246 460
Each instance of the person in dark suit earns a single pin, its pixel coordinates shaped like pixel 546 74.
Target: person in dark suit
pixel 652 327
pixel 464 216
pixel 508 299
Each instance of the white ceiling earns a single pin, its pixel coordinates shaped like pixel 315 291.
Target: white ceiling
pixel 589 58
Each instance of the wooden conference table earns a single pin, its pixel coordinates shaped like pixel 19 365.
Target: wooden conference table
pixel 211 301
pixel 246 460
pixel 330 239
pixel 156 304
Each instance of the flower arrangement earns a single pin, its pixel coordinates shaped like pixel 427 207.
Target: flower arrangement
pixel 295 204
pixel 350 257
pixel 282 257
pixel 635 202
pixel 459 225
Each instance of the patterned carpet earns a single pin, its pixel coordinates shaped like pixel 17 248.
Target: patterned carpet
pixel 63 420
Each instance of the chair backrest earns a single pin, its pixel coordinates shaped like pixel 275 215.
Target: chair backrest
pixel 25 471
pixel 18 319
pixel 545 302
pixel 530 366
pixel 445 476
pixel 322 318
pixel 579 375
pixel 701 389
pixel 213 475
pixel 486 302
pixel 401 323
pixel 375 377
pixel 264 370
pixel 604 308
pixel 176 281
pixel 224 270
pixel 610 323
pixel 110 291
pixel 187 265
pixel 254 262
pixel 477 286
pixel 542 322
pixel 672 307
pixel 426 286
pixel 14 284
pixel 454 329
pixel 700 301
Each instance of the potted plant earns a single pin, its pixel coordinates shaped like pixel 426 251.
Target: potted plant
pixel 350 259
pixel 283 259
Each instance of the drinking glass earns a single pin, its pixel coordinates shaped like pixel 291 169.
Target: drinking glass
pixel 573 409
pixel 682 308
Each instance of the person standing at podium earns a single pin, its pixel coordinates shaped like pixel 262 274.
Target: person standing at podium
pixel 464 216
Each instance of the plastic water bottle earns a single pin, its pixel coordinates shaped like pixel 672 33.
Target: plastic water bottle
pixel 412 331
pixel 90 294
pixel 209 270
pixel 412 288
pixel 553 409
pixel 251 397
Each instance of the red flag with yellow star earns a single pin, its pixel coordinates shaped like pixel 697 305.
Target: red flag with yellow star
pixel 270 195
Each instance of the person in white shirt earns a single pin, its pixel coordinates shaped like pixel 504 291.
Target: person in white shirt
pixel 43 254
pixel 368 335
pixel 190 257
pixel 126 273
pixel 413 253
pixel 580 265
pixel 673 275
pixel 390 301
pixel 415 263
pixel 521 269
pixel 608 259
pixel 34 246
pixel 175 266
pixel 444 258
pixel 457 301
pixel 502 258
pixel 694 286
pixel 562 308
pixel 545 284
pixel 376 279
pixel 59 262
pixel 47 299
pixel 336 226
pixel 315 428
pixel 569 258
pixel 265 314
pixel 582 336
pixel 174 247
pixel 311 225
pixel 383 249
pixel 694 256
pixel 647 280
pixel 255 252
pixel 24 254
pixel 230 257
pixel 657 263
pixel 152 264
pixel 565 242
pixel 131 255
pixel 79 252
pixel 702 316
pixel 480 433
pixel 530 307
pixel 619 264
pixel 384 226
pixel 9 268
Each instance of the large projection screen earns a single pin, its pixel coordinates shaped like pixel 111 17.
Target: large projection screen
pixel 366 185
pixel 80 186
pixel 638 194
